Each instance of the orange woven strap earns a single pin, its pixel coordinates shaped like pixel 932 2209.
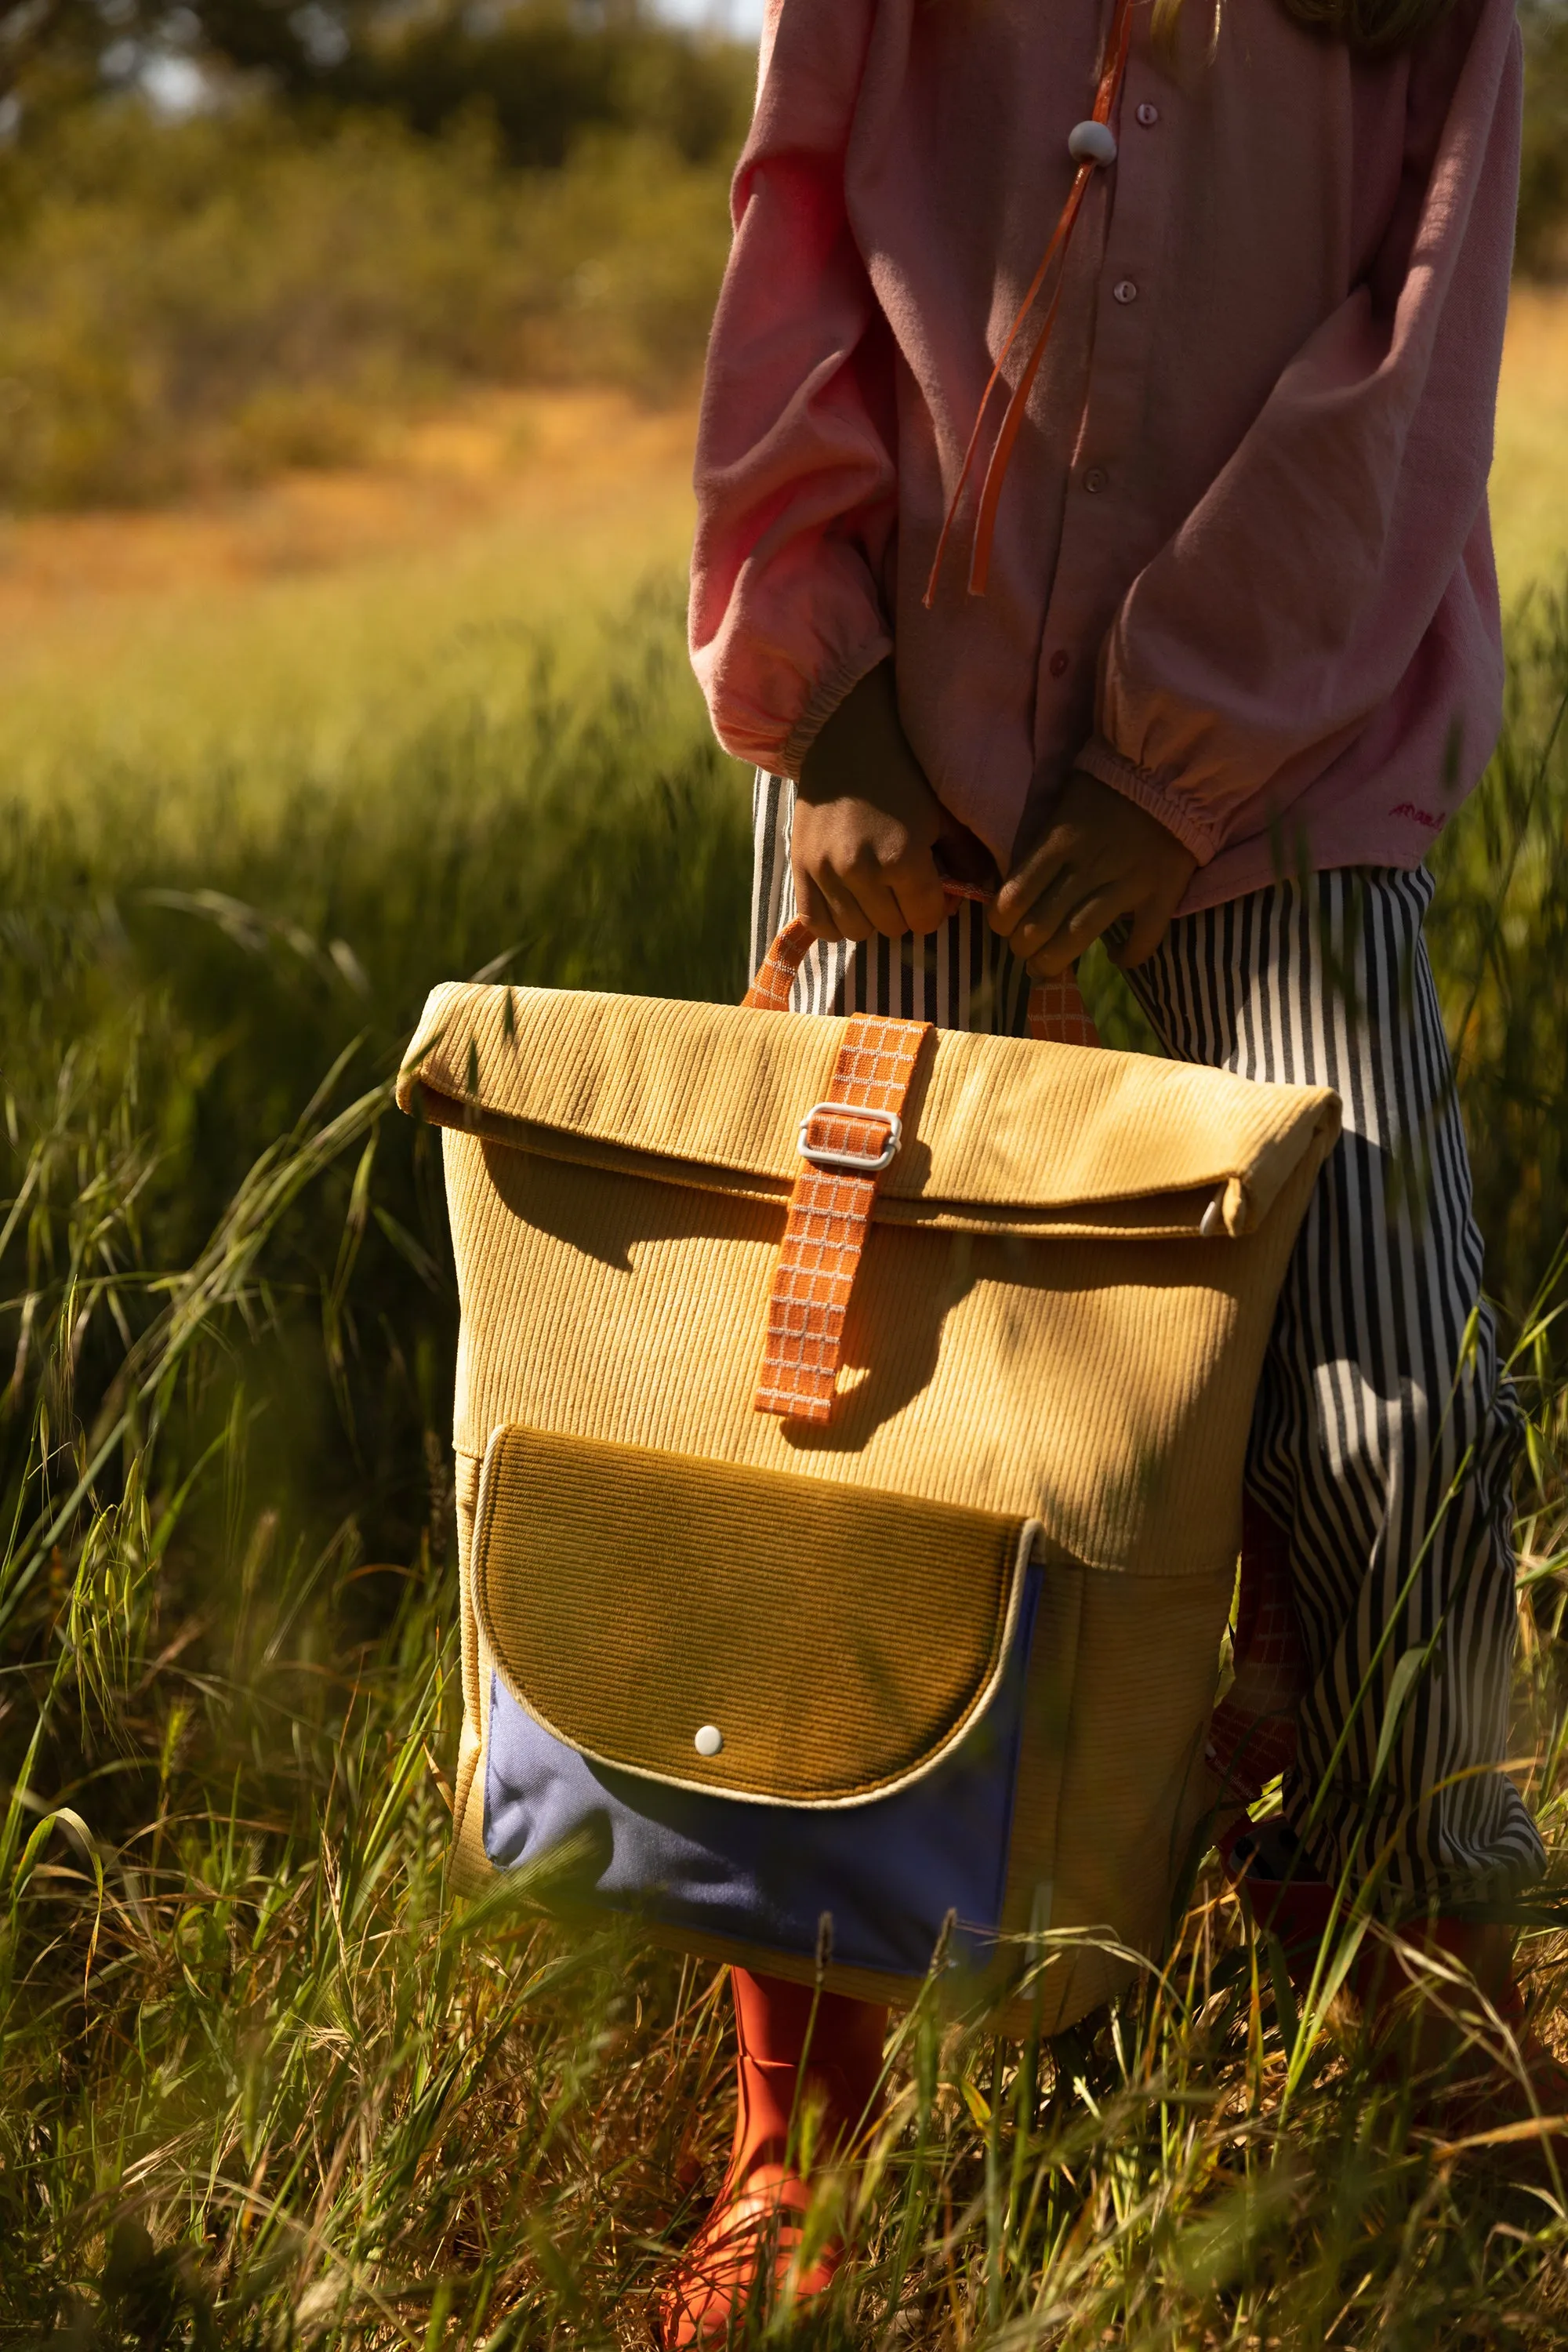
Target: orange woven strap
pixel 1058 1015
pixel 830 1207
pixel 859 1125
pixel 770 992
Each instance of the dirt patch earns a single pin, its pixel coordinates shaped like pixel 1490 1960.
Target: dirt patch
pixel 525 457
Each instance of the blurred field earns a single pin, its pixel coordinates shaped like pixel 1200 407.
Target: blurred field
pixel 282 624
pixel 1530 473
pixel 274 628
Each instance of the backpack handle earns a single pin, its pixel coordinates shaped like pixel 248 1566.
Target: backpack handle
pixel 1058 1015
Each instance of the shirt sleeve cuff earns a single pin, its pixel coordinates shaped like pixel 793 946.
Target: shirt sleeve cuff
pixel 1193 828
pixel 823 700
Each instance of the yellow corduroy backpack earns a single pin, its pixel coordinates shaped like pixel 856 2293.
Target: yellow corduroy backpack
pixel 851 1420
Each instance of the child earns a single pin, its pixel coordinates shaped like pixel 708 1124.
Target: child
pixel 1237 659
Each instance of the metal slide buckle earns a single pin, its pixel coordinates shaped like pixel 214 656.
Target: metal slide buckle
pixel 852 1163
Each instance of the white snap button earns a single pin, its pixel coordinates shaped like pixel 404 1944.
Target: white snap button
pixel 1091 142
pixel 1148 114
pixel 1125 290
pixel 709 1740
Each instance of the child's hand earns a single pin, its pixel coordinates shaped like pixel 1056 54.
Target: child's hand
pixel 1097 856
pixel 866 821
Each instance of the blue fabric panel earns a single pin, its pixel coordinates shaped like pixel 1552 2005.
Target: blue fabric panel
pixel 889 1871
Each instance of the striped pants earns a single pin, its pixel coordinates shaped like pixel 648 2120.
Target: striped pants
pixel 1385 1433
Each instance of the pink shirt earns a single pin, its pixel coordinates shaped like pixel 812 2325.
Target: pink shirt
pixel 1243 565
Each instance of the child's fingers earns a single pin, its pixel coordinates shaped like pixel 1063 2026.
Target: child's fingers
pixel 849 884
pixel 859 899
pixel 831 911
pixel 1024 891
pixel 1147 929
pixel 1071 887
pixel 921 899
pixel 1078 931
pixel 876 897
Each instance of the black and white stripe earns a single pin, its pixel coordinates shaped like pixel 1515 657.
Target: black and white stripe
pixel 1385 1433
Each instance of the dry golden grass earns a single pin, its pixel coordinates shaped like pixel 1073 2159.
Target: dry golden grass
pixel 1530 475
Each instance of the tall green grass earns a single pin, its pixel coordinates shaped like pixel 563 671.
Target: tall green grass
pixel 1499 935
pixel 259 2085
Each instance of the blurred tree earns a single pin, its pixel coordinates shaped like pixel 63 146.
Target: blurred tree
pixel 1544 187
pixel 545 71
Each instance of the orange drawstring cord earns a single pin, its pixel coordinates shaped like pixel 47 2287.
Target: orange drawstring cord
pixel 1106 97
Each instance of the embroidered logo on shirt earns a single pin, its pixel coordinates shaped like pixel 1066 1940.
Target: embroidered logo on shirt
pixel 1419 816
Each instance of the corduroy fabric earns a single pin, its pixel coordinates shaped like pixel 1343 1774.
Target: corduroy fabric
pixel 1103 1388
pixel 994 1123
pixel 840 1640
pixel 618 1172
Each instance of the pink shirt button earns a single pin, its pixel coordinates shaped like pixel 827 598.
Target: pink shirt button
pixel 1059 664
pixel 1148 114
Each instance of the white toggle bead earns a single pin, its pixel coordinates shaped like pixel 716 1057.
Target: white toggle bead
pixel 1091 142
pixel 1212 1221
pixel 709 1740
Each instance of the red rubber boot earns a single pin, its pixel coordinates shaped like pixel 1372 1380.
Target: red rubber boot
pixel 755 2216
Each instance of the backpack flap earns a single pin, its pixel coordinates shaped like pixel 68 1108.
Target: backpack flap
pixel 714 1627
pixel 1001 1134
